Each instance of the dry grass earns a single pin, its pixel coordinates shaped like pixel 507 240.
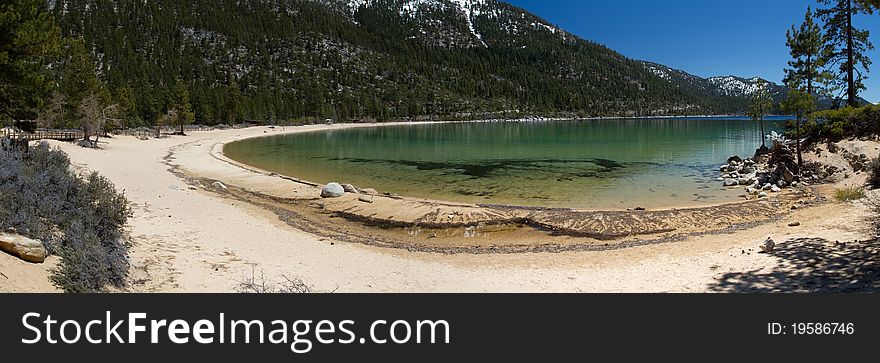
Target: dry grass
pixel 260 285
pixel 845 195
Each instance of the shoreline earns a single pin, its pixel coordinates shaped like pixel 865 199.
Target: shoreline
pixel 189 238
pixel 428 222
pixel 218 148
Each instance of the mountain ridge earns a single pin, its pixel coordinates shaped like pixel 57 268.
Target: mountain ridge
pixel 370 59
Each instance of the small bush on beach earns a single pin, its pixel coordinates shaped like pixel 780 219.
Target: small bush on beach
pixel 79 219
pixel 260 285
pixel 844 195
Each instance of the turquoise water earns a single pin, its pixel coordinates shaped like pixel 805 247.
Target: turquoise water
pixel 591 164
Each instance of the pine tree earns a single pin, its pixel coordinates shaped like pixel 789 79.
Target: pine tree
pixel 181 104
pixel 847 45
pixel 78 84
pixel 801 104
pixel 806 48
pixel 80 99
pixel 761 104
pixel 234 109
pixel 29 40
pixel 127 105
pixel 872 4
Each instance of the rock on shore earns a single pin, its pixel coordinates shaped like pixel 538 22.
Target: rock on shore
pixel 332 190
pixel 762 175
pixel 22 247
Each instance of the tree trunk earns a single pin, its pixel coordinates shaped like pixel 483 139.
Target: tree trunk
pixel 800 155
pixel 850 67
pixel 810 75
pixel 763 135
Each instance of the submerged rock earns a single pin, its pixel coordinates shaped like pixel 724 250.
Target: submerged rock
pixel 332 190
pixel 729 182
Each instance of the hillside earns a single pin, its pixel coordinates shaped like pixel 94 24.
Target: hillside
pixel 368 59
pixel 731 92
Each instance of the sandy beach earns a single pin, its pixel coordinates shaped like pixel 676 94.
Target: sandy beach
pixel 191 236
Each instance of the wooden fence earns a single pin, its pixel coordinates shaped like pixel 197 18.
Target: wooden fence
pixel 61 135
pixel 142 132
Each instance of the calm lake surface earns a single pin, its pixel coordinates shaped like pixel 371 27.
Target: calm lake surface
pixel 593 164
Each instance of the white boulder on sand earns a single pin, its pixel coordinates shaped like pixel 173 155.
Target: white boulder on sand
pixel 22 247
pixel 332 190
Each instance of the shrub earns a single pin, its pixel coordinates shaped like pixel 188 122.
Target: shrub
pixel 79 219
pixel 874 173
pixel 844 195
pixel 260 285
pixel 844 122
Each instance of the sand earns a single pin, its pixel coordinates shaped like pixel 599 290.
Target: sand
pixel 20 276
pixel 190 238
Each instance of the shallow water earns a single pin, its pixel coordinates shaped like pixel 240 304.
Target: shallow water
pixel 593 164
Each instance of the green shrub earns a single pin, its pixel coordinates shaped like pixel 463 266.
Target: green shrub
pixel 79 219
pixel 844 122
pixel 844 195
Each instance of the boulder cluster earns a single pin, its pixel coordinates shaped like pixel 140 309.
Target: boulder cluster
pixel 758 178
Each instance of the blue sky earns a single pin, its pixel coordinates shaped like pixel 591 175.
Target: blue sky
pixel 703 37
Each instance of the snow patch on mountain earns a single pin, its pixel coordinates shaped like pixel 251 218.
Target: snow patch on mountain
pixel 469 9
pixel 661 72
pixel 735 86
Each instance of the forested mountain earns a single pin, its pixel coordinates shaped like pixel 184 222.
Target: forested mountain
pixel 730 92
pixel 366 59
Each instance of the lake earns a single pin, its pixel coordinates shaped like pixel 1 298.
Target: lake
pixel 589 164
